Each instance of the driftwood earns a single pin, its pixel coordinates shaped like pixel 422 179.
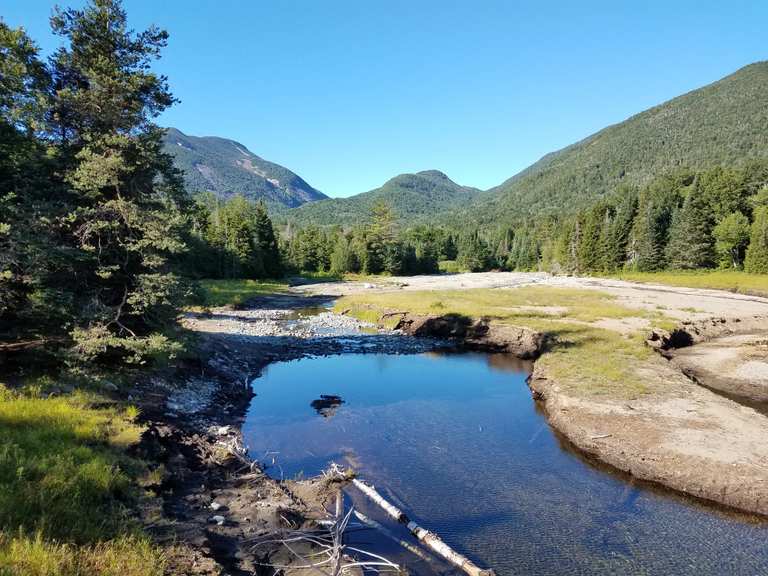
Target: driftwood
pixel 20 346
pixel 327 553
pixel 390 314
pixel 371 523
pixel 430 539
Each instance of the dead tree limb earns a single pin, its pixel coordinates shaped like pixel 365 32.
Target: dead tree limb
pixel 430 539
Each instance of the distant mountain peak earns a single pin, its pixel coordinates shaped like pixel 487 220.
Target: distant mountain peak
pixel 414 197
pixel 226 167
pixel 433 174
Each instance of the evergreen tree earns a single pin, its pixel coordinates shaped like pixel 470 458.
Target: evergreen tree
pixel 380 236
pixel 691 244
pixel 117 218
pixel 617 231
pixel 590 248
pixel 343 258
pixel 449 250
pixel 266 241
pixel 28 187
pixel 473 254
pixel 650 231
pixel 524 254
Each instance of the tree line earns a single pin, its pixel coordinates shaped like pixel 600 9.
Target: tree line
pixel 373 247
pixel 684 220
pixel 100 243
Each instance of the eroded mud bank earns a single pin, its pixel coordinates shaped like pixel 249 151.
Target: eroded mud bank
pixel 679 434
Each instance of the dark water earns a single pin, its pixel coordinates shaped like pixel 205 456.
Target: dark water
pixel 457 442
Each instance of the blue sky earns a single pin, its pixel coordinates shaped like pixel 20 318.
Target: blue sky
pixel 349 93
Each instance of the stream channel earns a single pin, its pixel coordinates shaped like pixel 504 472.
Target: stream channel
pixel 456 441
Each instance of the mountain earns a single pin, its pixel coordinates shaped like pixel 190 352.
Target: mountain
pixel 414 197
pixel 723 123
pixel 226 168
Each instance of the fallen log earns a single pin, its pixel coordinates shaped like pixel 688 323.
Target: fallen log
pixel 390 314
pixel 20 346
pixel 430 539
pixel 371 523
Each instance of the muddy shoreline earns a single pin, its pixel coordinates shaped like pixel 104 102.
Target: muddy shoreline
pixel 206 467
pixel 215 499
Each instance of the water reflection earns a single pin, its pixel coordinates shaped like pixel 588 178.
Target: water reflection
pixel 457 441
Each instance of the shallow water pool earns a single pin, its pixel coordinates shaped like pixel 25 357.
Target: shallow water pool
pixel 458 443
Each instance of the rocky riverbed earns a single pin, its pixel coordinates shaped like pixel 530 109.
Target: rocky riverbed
pixel 215 501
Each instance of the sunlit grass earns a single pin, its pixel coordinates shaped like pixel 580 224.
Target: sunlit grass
pixel 524 302
pixel 22 555
pixel 731 280
pixel 582 357
pixel 236 292
pixel 449 267
pixel 67 485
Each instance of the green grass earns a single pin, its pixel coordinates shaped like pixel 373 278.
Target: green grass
pixel 234 292
pixel 23 555
pixel 525 303
pixel 67 487
pixel 449 267
pixel 731 280
pixel 584 358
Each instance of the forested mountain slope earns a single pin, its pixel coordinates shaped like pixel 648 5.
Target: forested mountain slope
pixel 414 198
pixel 723 123
pixel 227 168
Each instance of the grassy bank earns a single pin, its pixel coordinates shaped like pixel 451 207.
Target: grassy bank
pixel 731 280
pixel 598 344
pixel 67 486
pixel 234 292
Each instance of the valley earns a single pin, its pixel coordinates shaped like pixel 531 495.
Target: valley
pixel 209 366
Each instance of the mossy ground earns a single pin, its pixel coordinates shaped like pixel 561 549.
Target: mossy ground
pixel 583 357
pixel 68 486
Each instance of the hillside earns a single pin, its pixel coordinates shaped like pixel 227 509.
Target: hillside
pixel 414 197
pixel 723 123
pixel 226 168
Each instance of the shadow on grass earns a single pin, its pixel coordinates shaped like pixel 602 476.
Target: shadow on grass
pixel 59 474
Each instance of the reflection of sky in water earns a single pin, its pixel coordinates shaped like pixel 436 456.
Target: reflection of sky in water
pixel 457 441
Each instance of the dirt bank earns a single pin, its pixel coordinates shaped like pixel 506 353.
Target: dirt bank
pixel 730 356
pixel 479 334
pixel 679 434
pixel 671 430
